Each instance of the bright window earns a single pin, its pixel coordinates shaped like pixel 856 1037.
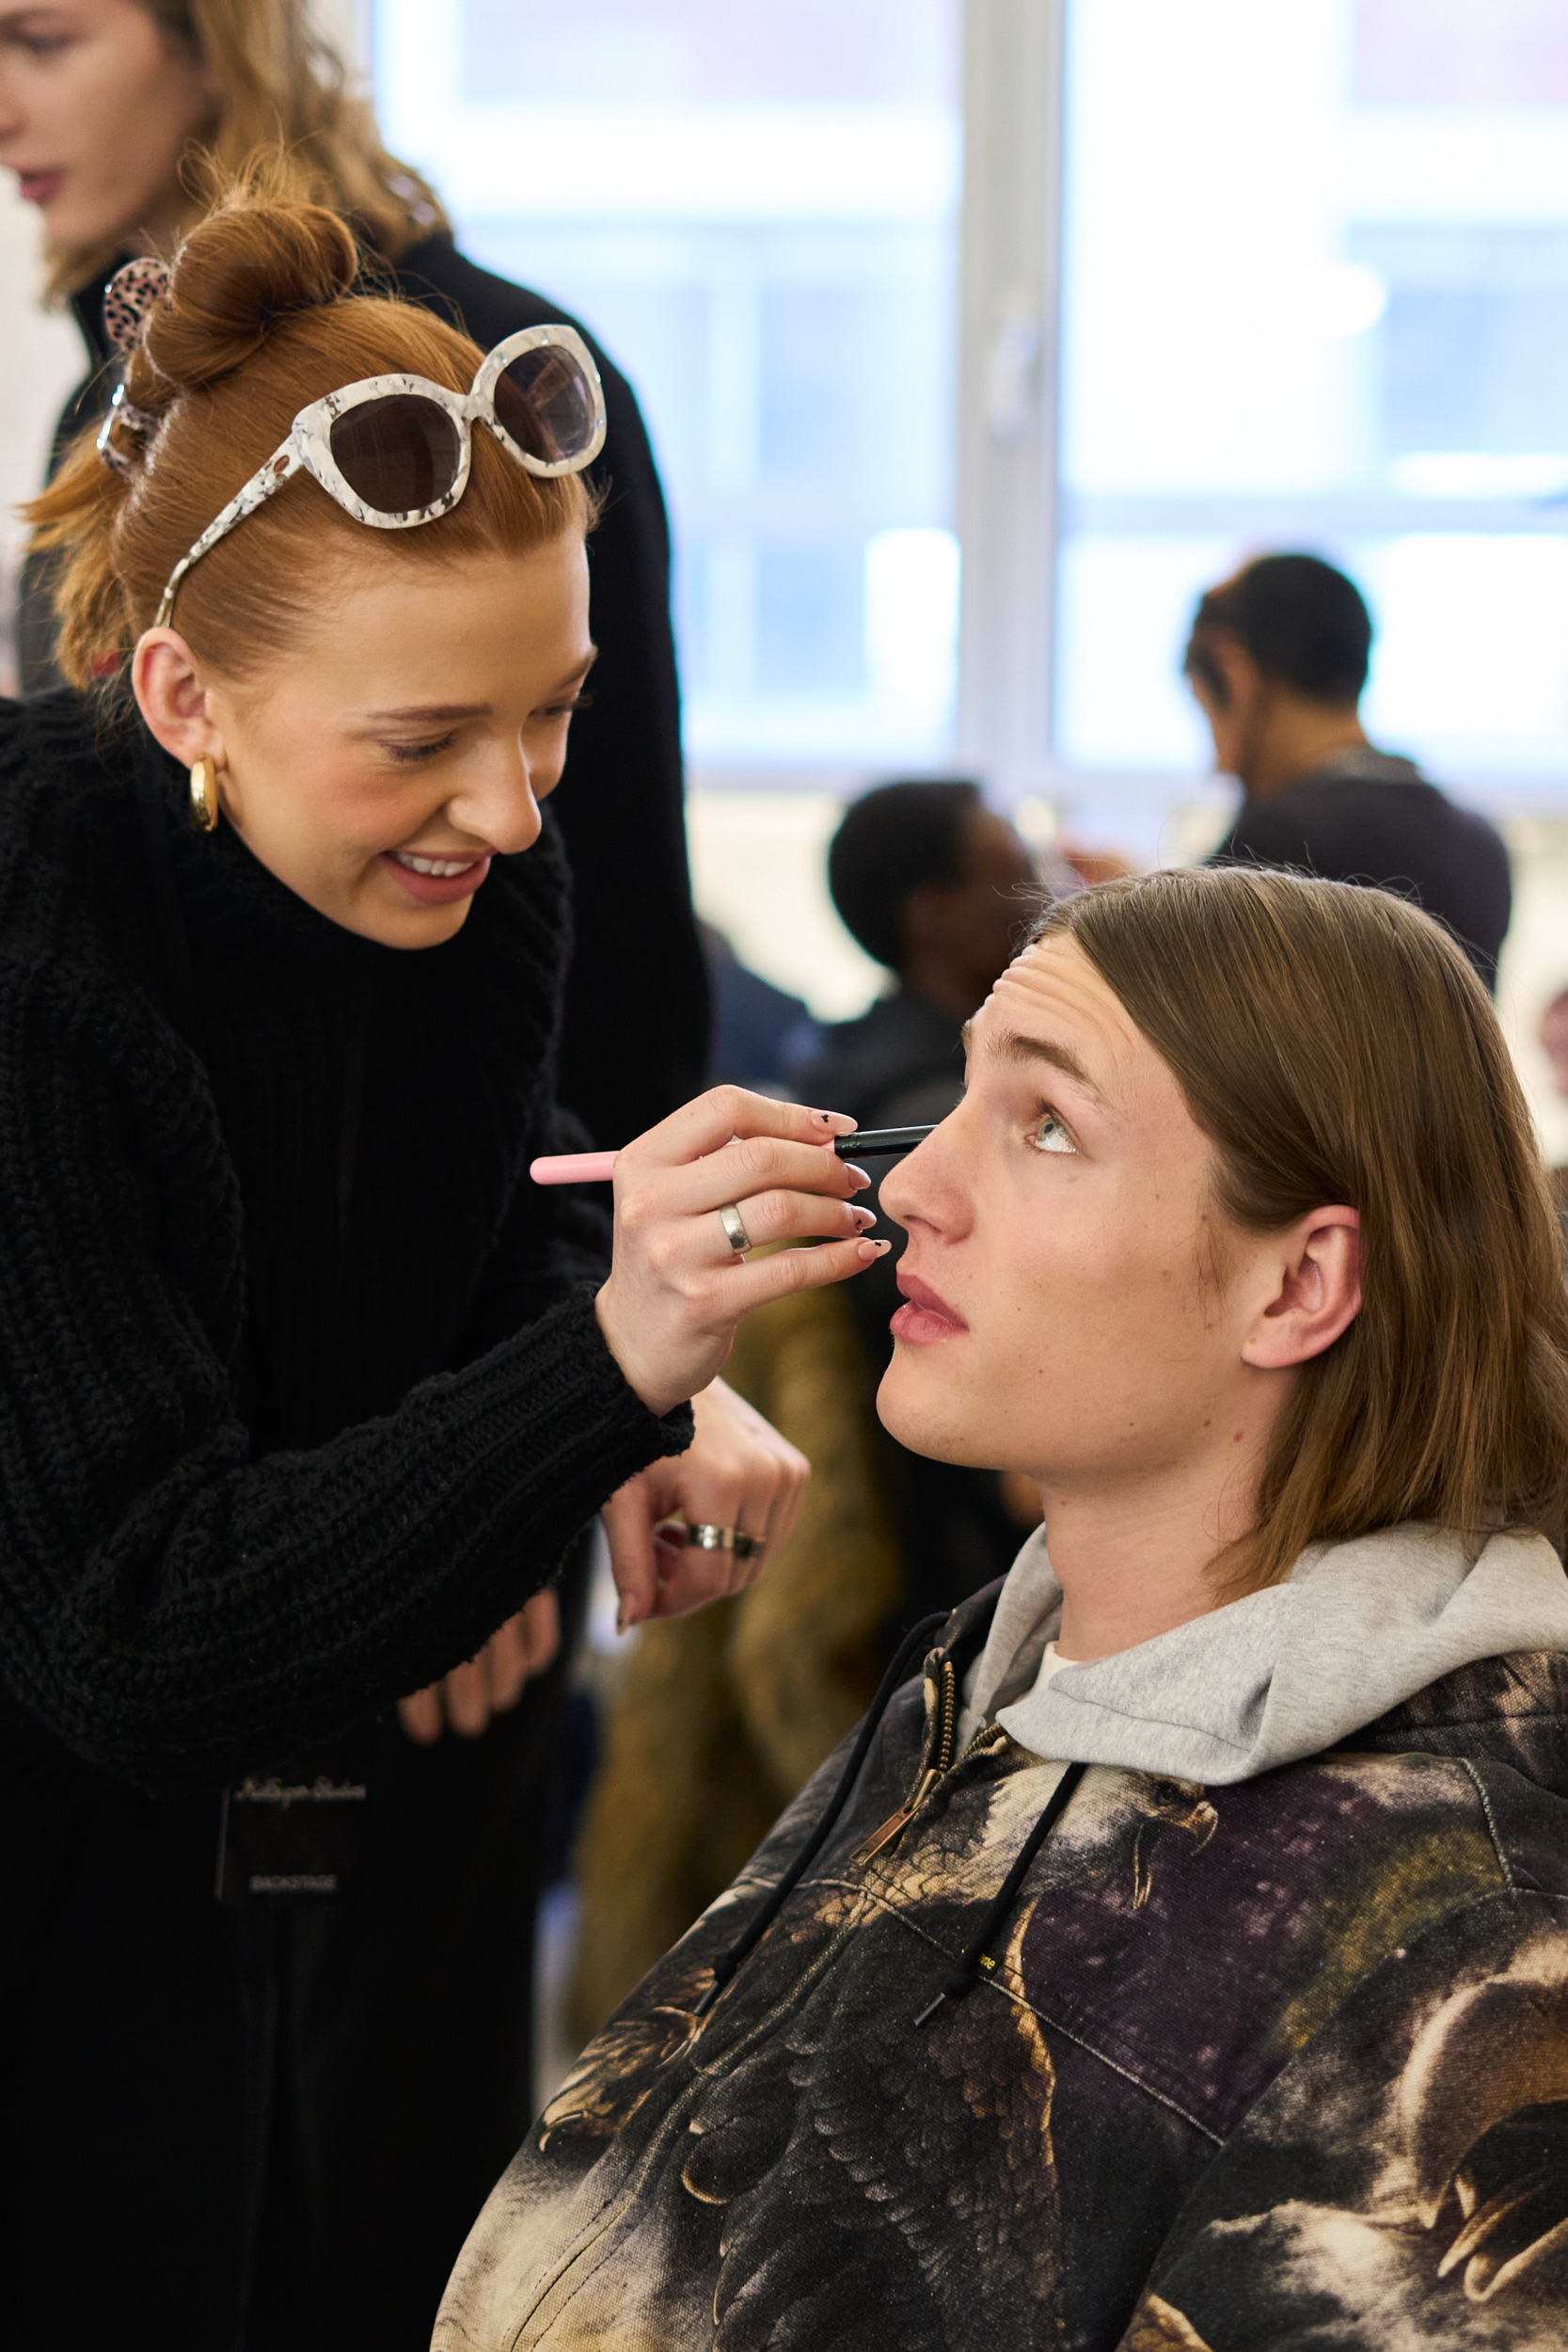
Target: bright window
pixel 754 208
pixel 1316 296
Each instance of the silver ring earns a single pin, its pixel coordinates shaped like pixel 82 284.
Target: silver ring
pixel 735 1233
pixel 707 1537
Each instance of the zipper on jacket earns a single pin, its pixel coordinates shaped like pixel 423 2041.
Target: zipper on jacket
pixel 942 1761
pixel 911 1647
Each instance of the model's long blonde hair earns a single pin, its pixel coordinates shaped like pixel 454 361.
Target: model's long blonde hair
pixel 283 86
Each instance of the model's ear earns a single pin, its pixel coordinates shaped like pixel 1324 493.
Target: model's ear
pixel 1318 1294
pixel 172 696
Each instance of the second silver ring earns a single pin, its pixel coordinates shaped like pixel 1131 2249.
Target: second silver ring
pixel 735 1233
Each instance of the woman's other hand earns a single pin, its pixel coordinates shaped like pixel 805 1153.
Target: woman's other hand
pixel 490 1683
pixel 677 1287
pixel 739 1473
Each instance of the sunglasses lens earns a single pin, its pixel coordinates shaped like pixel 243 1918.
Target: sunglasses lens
pixel 398 453
pixel 543 404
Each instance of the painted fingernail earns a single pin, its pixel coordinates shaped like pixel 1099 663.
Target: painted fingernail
pixel 861 1179
pixel 866 1217
pixel 868 1251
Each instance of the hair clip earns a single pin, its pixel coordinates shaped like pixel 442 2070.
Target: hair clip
pixel 132 295
pixel 123 411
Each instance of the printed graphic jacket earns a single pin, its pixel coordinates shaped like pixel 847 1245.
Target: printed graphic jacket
pixel 1258 2068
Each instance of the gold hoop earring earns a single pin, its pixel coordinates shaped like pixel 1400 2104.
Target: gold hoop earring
pixel 204 796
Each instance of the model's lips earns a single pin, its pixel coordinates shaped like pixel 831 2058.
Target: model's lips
pixel 925 1314
pixel 40 187
pixel 433 880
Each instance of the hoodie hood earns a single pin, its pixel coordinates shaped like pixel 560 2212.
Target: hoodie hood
pixel 1357 1629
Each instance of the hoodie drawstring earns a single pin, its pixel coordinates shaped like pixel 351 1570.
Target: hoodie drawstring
pixel 911 1647
pixel 977 1957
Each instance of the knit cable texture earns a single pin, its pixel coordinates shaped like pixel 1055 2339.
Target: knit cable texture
pixel 265 1465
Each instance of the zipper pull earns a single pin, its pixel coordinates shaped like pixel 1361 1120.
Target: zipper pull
pixel 895 1822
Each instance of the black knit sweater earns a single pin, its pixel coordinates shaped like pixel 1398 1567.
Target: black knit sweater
pixel 301 1391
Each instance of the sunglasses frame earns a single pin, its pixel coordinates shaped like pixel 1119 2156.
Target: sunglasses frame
pixel 309 446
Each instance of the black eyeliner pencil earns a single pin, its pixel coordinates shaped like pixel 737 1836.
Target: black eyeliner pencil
pixel 596 1167
pixel 879 1143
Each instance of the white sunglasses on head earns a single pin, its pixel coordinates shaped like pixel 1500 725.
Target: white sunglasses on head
pixel 395 451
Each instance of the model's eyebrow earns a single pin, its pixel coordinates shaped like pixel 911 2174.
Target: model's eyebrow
pixel 1013 1045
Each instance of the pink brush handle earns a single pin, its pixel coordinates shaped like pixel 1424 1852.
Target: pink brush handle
pixel 597 1168
pixel 575 1168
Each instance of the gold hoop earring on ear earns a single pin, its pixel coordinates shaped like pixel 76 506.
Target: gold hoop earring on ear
pixel 204 796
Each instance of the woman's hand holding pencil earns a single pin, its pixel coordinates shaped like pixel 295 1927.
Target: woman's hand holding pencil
pixel 727 1172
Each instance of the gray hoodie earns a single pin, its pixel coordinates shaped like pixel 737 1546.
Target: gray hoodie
pixel 1356 1629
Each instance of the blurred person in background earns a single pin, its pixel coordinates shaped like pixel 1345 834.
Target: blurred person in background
pixel 929 882
pixel 1278 660
pixel 111 112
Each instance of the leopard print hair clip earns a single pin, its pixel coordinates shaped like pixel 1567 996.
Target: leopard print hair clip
pixel 132 295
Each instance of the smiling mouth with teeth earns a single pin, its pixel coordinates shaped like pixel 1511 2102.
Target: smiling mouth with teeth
pixel 443 869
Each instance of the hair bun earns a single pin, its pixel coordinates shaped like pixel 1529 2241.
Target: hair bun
pixel 247 266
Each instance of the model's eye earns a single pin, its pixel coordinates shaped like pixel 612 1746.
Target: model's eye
pixel 1051 1136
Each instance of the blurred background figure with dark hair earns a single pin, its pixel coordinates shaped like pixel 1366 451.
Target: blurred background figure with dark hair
pixel 1278 659
pixel 931 882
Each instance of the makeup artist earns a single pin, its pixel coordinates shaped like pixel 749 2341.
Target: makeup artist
pixel 303 1387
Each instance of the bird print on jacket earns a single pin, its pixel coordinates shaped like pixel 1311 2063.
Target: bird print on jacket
pixel 1283 2064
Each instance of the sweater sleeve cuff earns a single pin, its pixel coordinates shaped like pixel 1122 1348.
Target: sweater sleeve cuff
pixel 549 1413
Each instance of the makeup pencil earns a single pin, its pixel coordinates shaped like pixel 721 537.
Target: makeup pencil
pixel 597 1168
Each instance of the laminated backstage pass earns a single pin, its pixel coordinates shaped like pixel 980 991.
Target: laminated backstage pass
pixel 287 1838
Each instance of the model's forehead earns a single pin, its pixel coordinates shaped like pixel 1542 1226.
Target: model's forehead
pixel 1051 998
pixel 1052 992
